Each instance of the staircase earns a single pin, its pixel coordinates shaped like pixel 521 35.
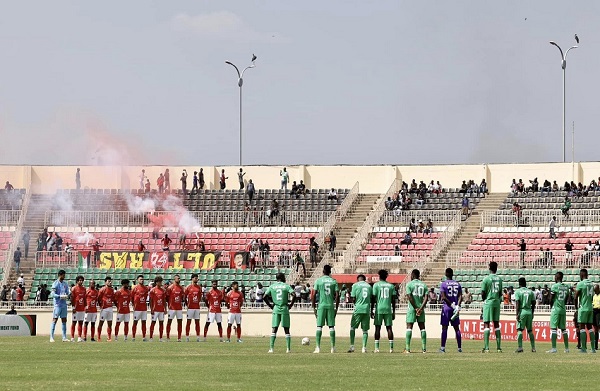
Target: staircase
pixel 470 228
pixel 34 222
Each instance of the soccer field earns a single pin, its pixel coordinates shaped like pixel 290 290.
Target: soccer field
pixel 34 363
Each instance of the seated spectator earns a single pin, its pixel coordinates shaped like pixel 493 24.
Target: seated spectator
pixel 437 188
pixel 428 227
pixel 397 251
pixel 421 226
pixel 521 186
pixel 464 187
pixel 473 188
pixel 294 190
pixel 514 188
pixel 201 246
pixel 302 188
pixel 483 186
pixel 534 185
pixel 332 194
pixel 273 210
pixel 389 204
pixel 431 187
pixel 422 186
pixel 567 187
pixel 140 247
pixel 420 200
pixel 547 186
pixel 408 240
pixel 465 206
pixel 412 226
pixel 554 186
pixel 404 187
pixel 432 296
pixel 566 207
pixel 414 188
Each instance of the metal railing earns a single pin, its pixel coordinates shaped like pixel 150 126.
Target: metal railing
pixel 203 218
pixel 447 236
pixel 9 217
pixel 403 217
pixel 540 218
pixel 18 231
pixel 559 259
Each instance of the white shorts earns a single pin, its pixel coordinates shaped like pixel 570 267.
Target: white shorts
pixel 140 315
pixel 106 314
pixel 213 317
pixel 123 318
pixel 90 317
pixel 160 316
pixel 175 314
pixel 79 316
pixel 234 318
pixel 193 314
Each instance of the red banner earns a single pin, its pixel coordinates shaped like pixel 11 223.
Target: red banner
pixel 158 260
pixel 238 259
pixel 473 329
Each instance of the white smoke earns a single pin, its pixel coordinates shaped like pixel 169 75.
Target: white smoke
pixel 62 202
pixel 139 205
pixel 184 219
pixel 86 238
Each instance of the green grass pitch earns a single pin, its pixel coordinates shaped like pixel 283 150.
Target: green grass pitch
pixel 34 363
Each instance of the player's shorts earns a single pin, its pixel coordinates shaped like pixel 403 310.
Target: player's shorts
pixel 214 317
pixel 446 319
pixel 585 317
pixel 280 319
pixel 383 319
pixel 362 320
pixel 491 312
pixel 596 316
pixel 123 318
pixel 160 316
pixel 558 321
pixel 79 316
pixel 411 316
pixel 59 312
pixel 234 318
pixel 325 315
pixel 140 315
pixel 175 314
pixel 192 314
pixel 90 317
pixel 106 314
pixel 525 321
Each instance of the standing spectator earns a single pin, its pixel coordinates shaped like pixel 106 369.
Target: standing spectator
pixel 432 296
pixel 222 179
pixel 241 178
pixel 8 186
pixel 483 186
pixel 12 310
pixel 397 251
pixel 299 261
pixel 552 227
pixel 465 205
pixel 160 183
pixel 167 178
pixel 143 178
pixel 294 190
pixel 285 177
pixel 20 294
pixel 77 180
pixel 522 252
pixel 194 183
pixel 428 227
pixel 166 241
pixel 302 188
pixel 408 240
pixel 147 186
pixel 313 249
pixel 4 293
pixel 21 280
pixel 332 242
pixel 184 182
pixel 96 250
pixel 140 247
pixel 201 179
pixel 17 259
pixel 250 190
pixel 26 239
pixel 569 252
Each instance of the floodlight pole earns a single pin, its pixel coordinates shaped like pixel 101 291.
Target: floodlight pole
pixel 240 84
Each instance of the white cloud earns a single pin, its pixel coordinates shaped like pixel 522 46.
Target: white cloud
pixel 224 25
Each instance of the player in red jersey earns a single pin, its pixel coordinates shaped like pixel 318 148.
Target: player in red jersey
pixel 213 301
pixel 234 300
pixel 91 310
pixel 106 298
pixel 193 294
pixel 78 303
pixel 175 298
pixel 157 307
pixel 139 295
pixel 122 299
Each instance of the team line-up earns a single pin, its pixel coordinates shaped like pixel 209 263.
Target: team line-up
pixel 377 302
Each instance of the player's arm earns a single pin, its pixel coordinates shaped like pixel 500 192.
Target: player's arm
pixel 394 301
pixel 459 300
pixel 552 298
pixel 518 306
pixel 151 303
pixel 373 305
pixel 337 300
pixel 500 291
pixel 313 300
pixel 227 300
pixel 444 297
pixel 267 299
pixel 576 299
pixel 411 299
pixel 484 290
pixel 532 307
pixel 423 303
pixel 291 303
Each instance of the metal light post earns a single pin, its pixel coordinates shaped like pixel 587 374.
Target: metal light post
pixel 564 68
pixel 240 84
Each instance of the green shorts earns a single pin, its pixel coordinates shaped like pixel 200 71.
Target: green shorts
pixel 280 319
pixel 386 319
pixel 585 317
pixel 363 320
pixel 325 316
pixel 491 313
pixel 411 316
pixel 525 321
pixel 558 321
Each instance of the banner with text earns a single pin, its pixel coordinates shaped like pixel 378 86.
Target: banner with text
pixel 158 260
pixel 17 325
pixel 473 329
pixel 384 258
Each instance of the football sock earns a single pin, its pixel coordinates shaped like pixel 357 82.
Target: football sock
pixel 79 326
pixel 520 339
pixel 168 330
pixel 151 329
pixel 239 331
pixel 117 329
pixel 319 333
pixel 144 329
pixel 109 332
pixel 288 341
pixel 126 328
pixel 486 339
pixel 553 338
pixel 272 340
pixel 391 344
pixel 352 336
pixel 458 338
pixel 197 327
pixel 408 338
pixel 592 340
pixel 93 329
pixel 133 329
pixel 424 339
pixel 583 339
pixel 444 337
pixel 532 339
pixel 160 331
pixel 566 339
pixel 228 331
pixel 220 331
pixel 187 329
pixel 205 330
pixel 179 327
pixel 376 344
pixel 52 328
pixel 498 339
pixel 99 332
pixel 332 336
pixel 64 330
pixel 85 331
pixel 578 340
pixel 72 330
pixel 364 339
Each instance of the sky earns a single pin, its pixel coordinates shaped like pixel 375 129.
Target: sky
pixel 336 82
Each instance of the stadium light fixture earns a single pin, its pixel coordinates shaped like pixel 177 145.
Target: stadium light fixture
pixel 563 64
pixel 240 84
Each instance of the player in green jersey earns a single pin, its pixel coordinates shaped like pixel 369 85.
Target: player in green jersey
pixel 491 294
pixel 525 306
pixel 383 309
pixel 584 310
pixel 277 298
pixel 559 294
pixel 361 297
pixel 329 293
pixel 416 294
